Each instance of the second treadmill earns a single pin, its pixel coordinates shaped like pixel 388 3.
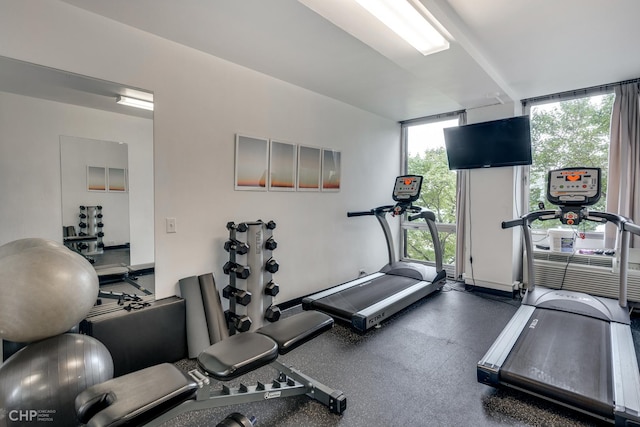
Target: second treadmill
pixel 367 301
pixel 570 347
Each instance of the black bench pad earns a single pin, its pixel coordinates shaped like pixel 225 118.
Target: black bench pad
pixel 237 355
pixel 135 398
pixel 244 352
pixel 291 332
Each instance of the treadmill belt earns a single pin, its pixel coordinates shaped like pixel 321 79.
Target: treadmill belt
pixel 352 300
pixel 566 357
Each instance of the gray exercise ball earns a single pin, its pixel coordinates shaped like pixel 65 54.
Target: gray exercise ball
pixel 20 245
pixel 45 289
pixel 39 384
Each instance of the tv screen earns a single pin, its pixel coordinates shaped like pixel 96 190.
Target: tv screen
pixel 505 142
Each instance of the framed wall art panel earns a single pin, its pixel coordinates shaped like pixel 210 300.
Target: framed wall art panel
pixel 252 163
pixel 331 170
pixel 282 166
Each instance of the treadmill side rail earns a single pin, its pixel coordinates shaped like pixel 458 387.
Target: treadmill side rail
pixel 376 313
pixel 626 378
pixel 488 369
pixel 306 301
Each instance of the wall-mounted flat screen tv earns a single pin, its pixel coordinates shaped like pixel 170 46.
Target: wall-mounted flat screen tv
pixel 505 142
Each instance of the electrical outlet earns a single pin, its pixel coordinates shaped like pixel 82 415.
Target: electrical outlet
pixel 171 225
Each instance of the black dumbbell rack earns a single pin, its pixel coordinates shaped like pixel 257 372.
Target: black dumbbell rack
pixel 251 290
pixel 269 286
pixel 91 225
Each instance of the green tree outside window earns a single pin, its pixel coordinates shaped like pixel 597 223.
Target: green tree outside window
pixel 570 133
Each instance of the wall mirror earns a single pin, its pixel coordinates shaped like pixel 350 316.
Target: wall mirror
pixel 106 161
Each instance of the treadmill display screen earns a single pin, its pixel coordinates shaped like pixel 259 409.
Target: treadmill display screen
pixel 407 188
pixel 574 186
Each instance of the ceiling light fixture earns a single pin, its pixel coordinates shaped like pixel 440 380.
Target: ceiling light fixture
pixel 133 102
pixel 403 19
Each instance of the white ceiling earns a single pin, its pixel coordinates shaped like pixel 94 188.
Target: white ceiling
pixel 512 49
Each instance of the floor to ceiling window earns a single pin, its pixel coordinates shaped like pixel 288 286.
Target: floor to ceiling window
pixel 569 133
pixel 425 155
pixel 593 127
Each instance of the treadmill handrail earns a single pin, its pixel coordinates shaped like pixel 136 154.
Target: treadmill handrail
pixel 424 213
pixel 361 213
pixel 379 209
pixel 526 219
pixel 429 216
pixel 624 224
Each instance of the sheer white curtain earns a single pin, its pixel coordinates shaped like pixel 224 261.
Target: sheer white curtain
pixel 624 160
pixel 461 209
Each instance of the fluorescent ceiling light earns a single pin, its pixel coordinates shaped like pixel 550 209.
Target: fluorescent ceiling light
pixel 403 19
pixel 133 102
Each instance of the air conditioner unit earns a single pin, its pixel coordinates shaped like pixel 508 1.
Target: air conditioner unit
pixel 591 274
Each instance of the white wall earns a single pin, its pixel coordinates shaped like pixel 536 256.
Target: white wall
pixel 492 199
pixel 30 173
pixel 200 103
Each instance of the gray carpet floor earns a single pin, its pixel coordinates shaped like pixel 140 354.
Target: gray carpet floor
pixel 417 369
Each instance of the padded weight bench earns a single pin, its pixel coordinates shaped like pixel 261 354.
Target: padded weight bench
pixel 159 393
pixel 111 273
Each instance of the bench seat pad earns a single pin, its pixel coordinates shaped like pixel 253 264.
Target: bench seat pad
pixel 135 398
pixel 237 355
pixel 293 331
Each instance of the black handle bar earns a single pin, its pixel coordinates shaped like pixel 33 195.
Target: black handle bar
pixel 512 223
pixel 426 214
pixel 421 212
pixel 530 217
pixel 385 209
pixel 361 213
pixel 618 220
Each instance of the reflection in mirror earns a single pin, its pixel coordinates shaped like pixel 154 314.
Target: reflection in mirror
pixel 95 213
pixel 80 116
pixel 91 177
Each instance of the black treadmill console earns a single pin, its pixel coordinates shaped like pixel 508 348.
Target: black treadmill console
pixel 574 186
pixel 407 188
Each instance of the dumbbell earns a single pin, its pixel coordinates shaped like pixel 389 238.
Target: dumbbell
pixel 83 208
pixel 82 225
pixel 100 245
pixel 241 296
pixel 234 245
pixel 100 234
pixel 270 244
pixel 82 216
pixel 241 323
pixel 272 265
pixel 272 314
pixel 270 225
pixel 236 419
pixel 99 215
pixel 272 288
pixel 242 227
pixel 241 271
pixel 100 225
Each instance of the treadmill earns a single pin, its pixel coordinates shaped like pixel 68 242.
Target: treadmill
pixel 368 300
pixel 569 347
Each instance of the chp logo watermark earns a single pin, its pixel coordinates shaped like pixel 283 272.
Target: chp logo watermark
pixel 28 415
